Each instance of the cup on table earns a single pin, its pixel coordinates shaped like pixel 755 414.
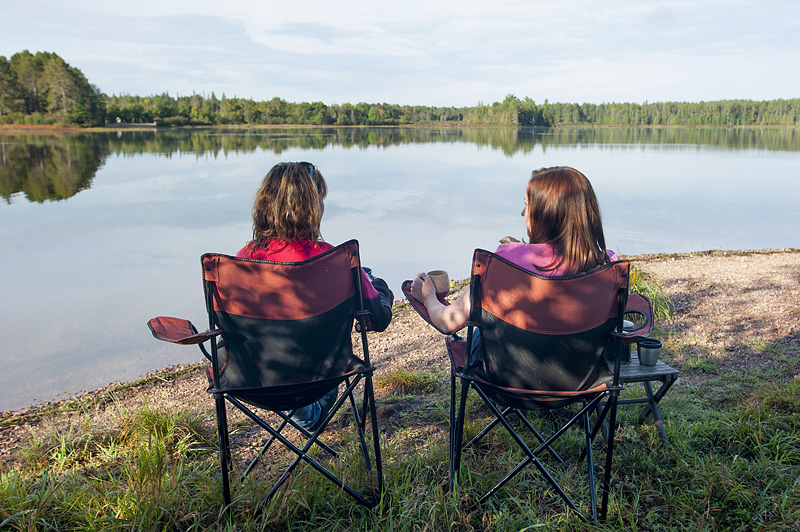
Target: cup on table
pixel 649 349
pixel 441 281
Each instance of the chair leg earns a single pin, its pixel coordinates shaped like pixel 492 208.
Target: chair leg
pixel 268 443
pixel 612 424
pixel 301 455
pixel 368 389
pixel 536 433
pixel 359 419
pixel 531 456
pixel 224 447
pixel 261 452
pixel 458 435
pixel 353 403
pixel 451 451
pixel 590 463
pixel 523 419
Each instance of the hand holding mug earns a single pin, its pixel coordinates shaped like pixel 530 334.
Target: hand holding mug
pixel 421 287
pixel 441 280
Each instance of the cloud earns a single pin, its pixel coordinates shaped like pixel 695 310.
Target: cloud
pixel 422 52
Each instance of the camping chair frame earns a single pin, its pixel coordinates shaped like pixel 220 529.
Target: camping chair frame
pixel 276 397
pixel 504 401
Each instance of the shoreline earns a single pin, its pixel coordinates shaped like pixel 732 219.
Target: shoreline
pixel 92 397
pixel 41 128
pixel 736 313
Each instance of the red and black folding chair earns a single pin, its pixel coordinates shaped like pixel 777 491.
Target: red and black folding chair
pixel 286 330
pixel 543 345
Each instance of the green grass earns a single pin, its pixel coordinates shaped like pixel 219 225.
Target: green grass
pixel 699 363
pixel 733 464
pixel 401 381
pixel 644 283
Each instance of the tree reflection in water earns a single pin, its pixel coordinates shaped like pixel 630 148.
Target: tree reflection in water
pixel 48 167
pixel 55 166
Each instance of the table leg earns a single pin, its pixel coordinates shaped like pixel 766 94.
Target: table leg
pixel 652 405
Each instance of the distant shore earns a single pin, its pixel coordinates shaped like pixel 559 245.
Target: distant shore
pixel 443 125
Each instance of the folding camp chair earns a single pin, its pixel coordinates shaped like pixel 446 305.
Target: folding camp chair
pixel 543 343
pixel 287 343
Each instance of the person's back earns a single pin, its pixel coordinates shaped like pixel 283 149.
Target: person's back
pixel 287 215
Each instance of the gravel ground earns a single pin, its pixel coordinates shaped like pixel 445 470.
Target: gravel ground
pixel 737 309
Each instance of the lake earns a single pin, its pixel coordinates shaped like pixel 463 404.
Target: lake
pixel 101 231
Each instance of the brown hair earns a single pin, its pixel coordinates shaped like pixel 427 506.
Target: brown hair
pixel 563 212
pixel 288 205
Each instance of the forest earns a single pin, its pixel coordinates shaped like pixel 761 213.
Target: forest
pixel 42 89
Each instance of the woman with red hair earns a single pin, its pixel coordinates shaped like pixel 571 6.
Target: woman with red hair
pixel 565 237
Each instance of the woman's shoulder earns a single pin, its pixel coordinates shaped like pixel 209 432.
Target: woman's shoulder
pixel 533 257
pixel 281 250
pixel 521 248
pixel 247 251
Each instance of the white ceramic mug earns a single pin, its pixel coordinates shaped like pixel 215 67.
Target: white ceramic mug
pixel 441 280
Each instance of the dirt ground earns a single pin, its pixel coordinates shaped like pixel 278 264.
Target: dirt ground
pixel 738 309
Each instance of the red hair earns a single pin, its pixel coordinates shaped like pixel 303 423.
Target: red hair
pixel 563 212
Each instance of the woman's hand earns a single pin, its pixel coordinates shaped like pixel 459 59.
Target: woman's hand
pixel 422 287
pixel 444 317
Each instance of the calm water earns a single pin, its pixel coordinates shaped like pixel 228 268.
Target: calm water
pixel 100 232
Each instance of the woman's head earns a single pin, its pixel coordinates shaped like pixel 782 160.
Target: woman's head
pixel 562 210
pixel 289 203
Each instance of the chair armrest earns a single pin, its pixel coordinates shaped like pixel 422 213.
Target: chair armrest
pixel 178 331
pixel 638 304
pixel 420 307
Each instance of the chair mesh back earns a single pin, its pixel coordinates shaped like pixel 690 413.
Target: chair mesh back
pixel 284 323
pixel 544 333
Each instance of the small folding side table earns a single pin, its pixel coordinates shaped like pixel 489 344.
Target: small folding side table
pixel 635 372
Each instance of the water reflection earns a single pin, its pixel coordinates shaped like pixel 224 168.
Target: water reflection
pixel 101 231
pixel 58 166
pixel 46 168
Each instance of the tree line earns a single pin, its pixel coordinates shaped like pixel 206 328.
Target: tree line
pixel 42 88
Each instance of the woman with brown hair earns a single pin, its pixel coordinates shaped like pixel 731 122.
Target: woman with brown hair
pixel 287 213
pixel 565 234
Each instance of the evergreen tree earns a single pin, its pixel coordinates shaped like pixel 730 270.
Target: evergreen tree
pixel 10 92
pixel 49 90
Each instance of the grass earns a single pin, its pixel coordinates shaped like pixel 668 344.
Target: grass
pixel 644 283
pixel 699 363
pixel 401 381
pixel 732 465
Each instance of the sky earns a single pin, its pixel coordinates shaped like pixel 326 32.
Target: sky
pixel 421 52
